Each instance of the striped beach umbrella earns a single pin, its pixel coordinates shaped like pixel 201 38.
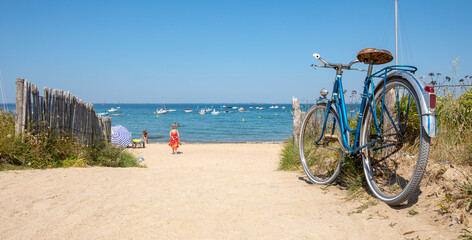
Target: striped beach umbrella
pixel 120 135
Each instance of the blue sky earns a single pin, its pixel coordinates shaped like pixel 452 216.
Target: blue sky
pixel 218 51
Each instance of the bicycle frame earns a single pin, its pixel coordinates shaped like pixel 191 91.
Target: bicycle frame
pixel 337 99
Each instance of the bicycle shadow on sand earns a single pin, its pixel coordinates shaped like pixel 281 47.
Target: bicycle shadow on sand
pixel 409 203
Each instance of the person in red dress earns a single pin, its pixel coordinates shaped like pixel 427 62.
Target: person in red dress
pixel 174 139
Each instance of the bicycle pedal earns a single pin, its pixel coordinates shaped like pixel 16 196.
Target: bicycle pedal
pixel 331 137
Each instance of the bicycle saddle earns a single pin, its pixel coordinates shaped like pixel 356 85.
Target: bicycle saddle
pixel 374 56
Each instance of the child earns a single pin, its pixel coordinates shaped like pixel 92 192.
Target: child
pixel 174 139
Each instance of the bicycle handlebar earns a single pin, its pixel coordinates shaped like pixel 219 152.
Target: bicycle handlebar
pixel 336 66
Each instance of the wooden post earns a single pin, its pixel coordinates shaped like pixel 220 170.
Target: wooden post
pixel 28 107
pixel 35 110
pixel 41 114
pixel 107 123
pixel 74 122
pixel 20 109
pixel 47 108
pixel 296 119
pixel 60 113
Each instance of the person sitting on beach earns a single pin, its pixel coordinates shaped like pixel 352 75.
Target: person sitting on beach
pixel 145 136
pixel 174 139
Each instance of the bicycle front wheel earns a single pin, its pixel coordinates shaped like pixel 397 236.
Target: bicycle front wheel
pixel 321 150
pixel 395 161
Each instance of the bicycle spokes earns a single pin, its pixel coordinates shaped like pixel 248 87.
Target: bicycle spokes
pixel 396 125
pixel 320 147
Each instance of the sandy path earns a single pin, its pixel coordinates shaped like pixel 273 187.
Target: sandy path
pixel 210 191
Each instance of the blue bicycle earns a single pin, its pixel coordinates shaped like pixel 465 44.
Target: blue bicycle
pixel 392 134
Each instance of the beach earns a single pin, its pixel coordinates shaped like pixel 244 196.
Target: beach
pixel 208 191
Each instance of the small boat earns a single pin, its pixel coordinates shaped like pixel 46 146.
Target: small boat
pixel 202 111
pixel 103 113
pixel 188 110
pixel 117 114
pixel 113 109
pixel 214 112
pixel 171 110
pixel 283 107
pixel 160 111
pixel 235 107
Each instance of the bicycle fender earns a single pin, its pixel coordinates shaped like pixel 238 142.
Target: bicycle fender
pixel 429 116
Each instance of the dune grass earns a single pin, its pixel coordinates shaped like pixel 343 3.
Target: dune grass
pixel 51 151
pixel 289 157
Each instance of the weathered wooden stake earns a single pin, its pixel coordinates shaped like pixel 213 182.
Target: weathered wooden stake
pixel 20 109
pixel 296 119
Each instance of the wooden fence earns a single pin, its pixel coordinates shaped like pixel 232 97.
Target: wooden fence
pixel 58 111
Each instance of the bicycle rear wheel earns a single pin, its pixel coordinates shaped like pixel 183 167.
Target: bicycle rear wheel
pixel 321 152
pixel 395 163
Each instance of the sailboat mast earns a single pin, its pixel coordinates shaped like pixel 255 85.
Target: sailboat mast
pixel 396 32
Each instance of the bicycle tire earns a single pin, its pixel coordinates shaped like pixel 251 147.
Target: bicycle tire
pixel 386 169
pixel 322 162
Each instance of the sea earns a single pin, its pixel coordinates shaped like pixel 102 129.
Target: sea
pixel 252 125
pixel 256 123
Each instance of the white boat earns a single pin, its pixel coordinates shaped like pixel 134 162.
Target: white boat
pixel 283 107
pixel 171 110
pixel 113 109
pixel 214 112
pixel 160 111
pixel 117 114
pixel 103 113
pixel 188 110
pixel 202 111
pixel 235 107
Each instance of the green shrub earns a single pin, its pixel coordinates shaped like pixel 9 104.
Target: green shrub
pixel 107 155
pixel 127 159
pixel 454 117
pixel 352 176
pixel 41 151
pixel 290 157
pixel 49 150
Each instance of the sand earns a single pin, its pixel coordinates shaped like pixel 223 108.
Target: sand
pixel 209 191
